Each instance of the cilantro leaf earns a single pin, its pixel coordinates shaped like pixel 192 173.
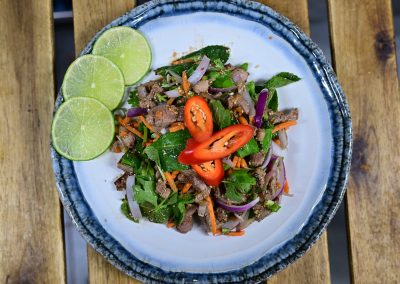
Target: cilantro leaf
pixel 144 191
pixel 238 184
pixel 133 99
pixel 250 148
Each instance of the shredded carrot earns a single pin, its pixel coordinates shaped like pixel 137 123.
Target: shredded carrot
pixel 286 187
pixel 117 149
pixel 170 181
pixel 186 187
pixel 174 174
pixel 212 215
pixel 243 164
pixel 243 120
pixel 229 171
pixel 235 234
pixel 155 139
pixel 185 83
pixel 284 125
pixel 123 133
pixel 180 61
pixel 126 120
pixel 130 128
pixel 145 122
pixel 148 143
pixel 170 101
pixel 235 161
pixel 170 224
pixel 176 128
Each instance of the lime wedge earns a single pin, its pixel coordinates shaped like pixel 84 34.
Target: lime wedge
pixel 128 49
pixel 96 77
pixel 83 128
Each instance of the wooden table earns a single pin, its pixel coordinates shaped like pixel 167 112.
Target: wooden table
pixel 31 238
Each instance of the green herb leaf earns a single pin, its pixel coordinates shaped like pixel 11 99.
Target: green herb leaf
pixel 126 211
pixel 218 65
pixel 161 98
pixel 168 147
pixel 133 99
pixel 178 69
pixel 266 142
pixel 273 100
pixel 222 117
pixel 179 209
pixel 280 80
pixel 250 148
pixel 132 160
pixel 152 154
pixel 213 52
pixel 225 231
pixel 272 206
pixel 156 214
pixel 251 88
pixel 144 191
pixel 244 66
pixel 238 184
pixel 224 80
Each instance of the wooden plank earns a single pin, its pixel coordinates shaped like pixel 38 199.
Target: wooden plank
pixel 364 54
pixel 89 17
pixel 314 266
pixel 31 239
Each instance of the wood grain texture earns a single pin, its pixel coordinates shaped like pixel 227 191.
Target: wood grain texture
pixel 89 17
pixel 314 266
pixel 364 54
pixel 31 239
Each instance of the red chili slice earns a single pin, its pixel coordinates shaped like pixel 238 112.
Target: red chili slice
pixel 198 118
pixel 220 145
pixel 211 172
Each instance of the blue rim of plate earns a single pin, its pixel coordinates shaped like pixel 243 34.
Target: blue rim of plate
pixel 90 228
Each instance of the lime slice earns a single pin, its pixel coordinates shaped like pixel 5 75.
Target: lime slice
pixel 128 49
pixel 96 77
pixel 83 128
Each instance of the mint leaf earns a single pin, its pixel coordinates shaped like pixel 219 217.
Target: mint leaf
pixel 222 117
pixel 280 80
pixel 168 147
pixel 250 148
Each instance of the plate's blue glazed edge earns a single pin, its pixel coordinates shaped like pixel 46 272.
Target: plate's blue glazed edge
pixel 290 251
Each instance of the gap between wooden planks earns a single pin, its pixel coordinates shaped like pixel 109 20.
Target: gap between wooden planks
pixel 365 61
pixel 31 240
pixel 89 17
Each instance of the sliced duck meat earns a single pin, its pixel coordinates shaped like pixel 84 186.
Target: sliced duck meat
pixel 187 222
pixel 260 134
pixel 239 76
pixel 221 215
pixel 260 212
pixel 257 159
pixel 120 182
pixel 239 104
pixel 201 87
pixel 162 189
pixel 260 176
pixel 198 185
pixel 162 116
pixel 180 113
pixel 283 116
pixel 126 137
pixel 147 92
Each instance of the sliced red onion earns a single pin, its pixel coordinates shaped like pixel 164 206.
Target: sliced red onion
pixel 271 168
pixel 178 78
pixel 132 112
pixel 281 178
pixel 243 91
pixel 200 71
pixel 222 90
pixel 133 205
pixel 237 208
pixel 173 93
pixel 231 224
pixel 239 75
pixel 267 159
pixel 283 138
pixel 260 106
pixel 228 162
pixel 245 224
